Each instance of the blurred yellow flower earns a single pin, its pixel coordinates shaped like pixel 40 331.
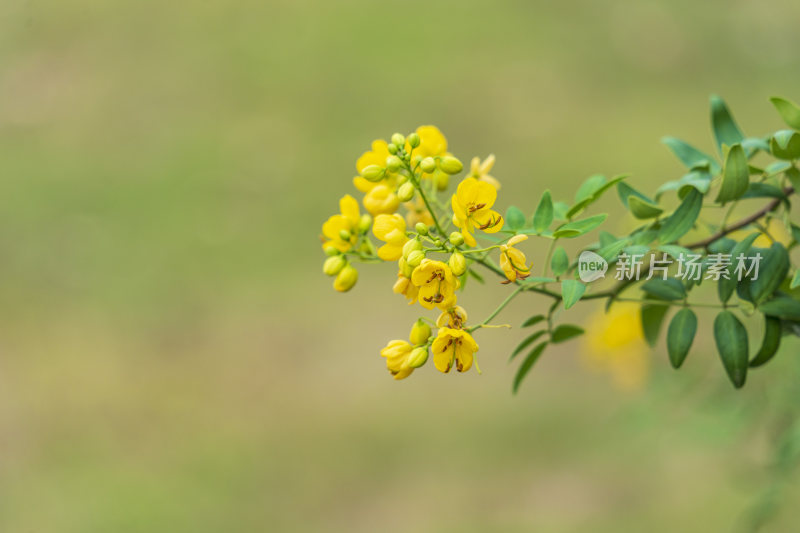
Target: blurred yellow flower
pixel 776 229
pixel 392 230
pixel 453 346
pixel 404 286
pixel 417 212
pixel 343 225
pixel 614 343
pixel 513 261
pixel 398 358
pixel 472 204
pixel 436 284
pixel 480 171
pixel 381 200
pixel 376 156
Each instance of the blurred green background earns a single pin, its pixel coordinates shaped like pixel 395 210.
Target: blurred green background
pixel 171 356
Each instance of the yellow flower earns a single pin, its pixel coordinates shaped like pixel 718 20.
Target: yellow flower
pixel 346 223
pixel 381 200
pixel 404 286
pixel 453 346
pixel 480 171
pixel 432 142
pixel 398 358
pixel 512 261
pixel 392 230
pixel 614 343
pixel 345 279
pixel 472 204
pixel 417 212
pixel 454 318
pixel 436 284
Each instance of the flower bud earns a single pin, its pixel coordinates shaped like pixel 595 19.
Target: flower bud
pixel 457 263
pixel 344 235
pixel 364 223
pixel 393 163
pixel 415 258
pixel 334 265
pixel 456 238
pixel 418 357
pixel 413 140
pixel 405 192
pixel 442 180
pixel 410 246
pixel 428 165
pixel 346 278
pixel 450 164
pixel 420 332
pixel 392 149
pixel 373 173
pixel 405 269
pixel 330 251
pixel 421 228
pixel 398 140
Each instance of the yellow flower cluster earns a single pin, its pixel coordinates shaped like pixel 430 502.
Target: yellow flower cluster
pixel 409 173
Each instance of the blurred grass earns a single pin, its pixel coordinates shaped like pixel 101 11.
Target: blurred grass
pixel 172 359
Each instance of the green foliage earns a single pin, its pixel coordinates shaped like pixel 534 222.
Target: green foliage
pixel 571 292
pixel 731 338
pixel 680 335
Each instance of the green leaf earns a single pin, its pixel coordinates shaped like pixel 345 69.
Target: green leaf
pixel 624 190
pixel 781 307
pixel 680 336
pixel 736 175
pixel 665 289
pixel 535 319
pixel 610 251
pixel 571 292
pixel 725 129
pixel 773 269
pixel 589 187
pixel 652 318
pixel 530 339
pixel 674 250
pixel 794 177
pixel 606 238
pixel 696 179
pixel 731 338
pixel 689 155
pixel 579 227
pixel 771 342
pixel 789 111
pixel 526 365
pixel 785 144
pixel 795 280
pixel 725 287
pixel 559 262
pixel 565 332
pixel 763 190
pixel 776 167
pixel 560 210
pixel 515 218
pixel 597 192
pixel 642 208
pixel 543 216
pixel 682 220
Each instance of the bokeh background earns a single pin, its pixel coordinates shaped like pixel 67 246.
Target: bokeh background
pixel 171 356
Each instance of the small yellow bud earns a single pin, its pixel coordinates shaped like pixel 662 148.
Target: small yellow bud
pixel 418 357
pixel 334 265
pixel 330 251
pixel 421 228
pixel 398 140
pixel 405 268
pixel 442 180
pixel 450 164
pixel 373 173
pixel 346 278
pixel 344 235
pixel 364 223
pixel 420 332
pixel 415 258
pixel 406 192
pixel 428 164
pixel 413 140
pixel 392 149
pixel 393 163
pixel 410 246
pixel 456 239
pixel 457 263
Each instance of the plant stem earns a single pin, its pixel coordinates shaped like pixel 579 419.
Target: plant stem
pixel 498 309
